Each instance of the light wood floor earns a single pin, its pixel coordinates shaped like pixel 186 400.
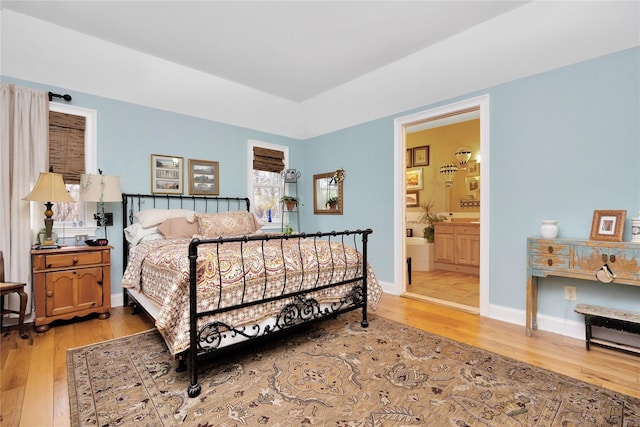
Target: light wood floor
pixel 34 374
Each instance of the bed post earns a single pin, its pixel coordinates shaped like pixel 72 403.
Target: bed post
pixel 125 248
pixel 365 239
pixel 194 387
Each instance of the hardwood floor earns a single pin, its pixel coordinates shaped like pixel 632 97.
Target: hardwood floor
pixel 34 373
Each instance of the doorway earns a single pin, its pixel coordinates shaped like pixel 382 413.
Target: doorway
pixel 436 280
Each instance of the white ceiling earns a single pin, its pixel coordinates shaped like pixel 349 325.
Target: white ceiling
pixel 292 49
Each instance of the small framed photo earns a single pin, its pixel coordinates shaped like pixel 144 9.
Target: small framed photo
pixel 473 186
pixel 409 158
pixel 80 239
pixel 608 225
pixel 413 199
pixel 421 156
pixel 204 177
pixel 167 174
pixel 291 175
pixel 414 179
pixel 473 168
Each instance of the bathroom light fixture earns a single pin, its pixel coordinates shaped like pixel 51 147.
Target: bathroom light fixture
pixel 463 154
pixel 448 171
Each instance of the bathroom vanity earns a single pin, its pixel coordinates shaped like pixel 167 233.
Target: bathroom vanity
pixel 457 246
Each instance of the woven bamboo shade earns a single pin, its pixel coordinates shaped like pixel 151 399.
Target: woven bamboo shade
pixel 268 160
pixel 66 145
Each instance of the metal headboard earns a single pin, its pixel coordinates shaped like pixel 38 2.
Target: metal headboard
pixel 133 203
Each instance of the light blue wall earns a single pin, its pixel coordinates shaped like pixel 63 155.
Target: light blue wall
pixel 128 134
pixel 563 143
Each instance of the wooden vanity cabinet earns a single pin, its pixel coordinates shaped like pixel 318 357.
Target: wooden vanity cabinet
pixel 457 247
pixel 71 282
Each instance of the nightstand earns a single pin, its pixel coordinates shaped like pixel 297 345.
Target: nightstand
pixel 71 282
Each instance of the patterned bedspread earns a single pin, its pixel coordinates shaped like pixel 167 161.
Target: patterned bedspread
pixel 228 276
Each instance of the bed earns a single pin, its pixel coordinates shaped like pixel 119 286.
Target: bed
pixel 212 281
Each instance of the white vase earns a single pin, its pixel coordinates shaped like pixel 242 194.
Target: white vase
pixel 635 229
pixel 549 229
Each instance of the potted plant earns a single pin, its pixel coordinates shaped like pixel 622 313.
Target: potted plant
pixel 429 217
pixel 332 202
pixel 290 201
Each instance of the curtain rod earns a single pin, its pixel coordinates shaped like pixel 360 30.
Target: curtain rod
pixel 52 95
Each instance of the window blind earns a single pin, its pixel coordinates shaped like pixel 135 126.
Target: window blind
pixel 268 160
pixel 66 145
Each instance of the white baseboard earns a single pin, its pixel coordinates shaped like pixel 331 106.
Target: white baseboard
pixel 117 300
pixel 556 325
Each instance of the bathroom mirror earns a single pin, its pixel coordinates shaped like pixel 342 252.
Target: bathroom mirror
pixel 327 194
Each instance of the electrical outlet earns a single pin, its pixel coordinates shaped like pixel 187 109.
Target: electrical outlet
pixel 570 293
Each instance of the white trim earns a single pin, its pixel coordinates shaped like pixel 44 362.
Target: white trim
pixel 255 143
pixel 399 190
pixel 90 163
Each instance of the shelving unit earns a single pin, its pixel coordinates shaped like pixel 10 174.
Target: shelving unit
pixel 290 179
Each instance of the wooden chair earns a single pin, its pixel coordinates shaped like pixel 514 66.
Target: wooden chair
pixel 7 288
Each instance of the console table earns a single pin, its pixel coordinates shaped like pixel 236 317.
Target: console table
pixel 578 259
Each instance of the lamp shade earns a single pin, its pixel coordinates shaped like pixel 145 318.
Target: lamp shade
pixel 49 188
pixel 100 188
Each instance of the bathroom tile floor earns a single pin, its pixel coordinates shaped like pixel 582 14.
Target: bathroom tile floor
pixel 448 286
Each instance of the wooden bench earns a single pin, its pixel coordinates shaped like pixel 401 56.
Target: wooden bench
pixel 609 318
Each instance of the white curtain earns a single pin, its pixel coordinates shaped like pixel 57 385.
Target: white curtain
pixel 24 138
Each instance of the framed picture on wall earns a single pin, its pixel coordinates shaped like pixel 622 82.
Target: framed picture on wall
pixel 204 177
pixel 608 225
pixel 413 199
pixel 414 179
pixel 473 168
pixel 409 158
pixel 421 156
pixel 167 174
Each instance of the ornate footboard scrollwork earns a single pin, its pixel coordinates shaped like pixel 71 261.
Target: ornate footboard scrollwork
pixel 300 305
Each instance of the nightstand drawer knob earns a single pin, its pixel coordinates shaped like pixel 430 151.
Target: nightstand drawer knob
pixel 49 294
pixel 550 262
pixel 550 249
pixel 75 259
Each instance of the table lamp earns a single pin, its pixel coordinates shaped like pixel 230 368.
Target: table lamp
pixel 100 188
pixel 49 188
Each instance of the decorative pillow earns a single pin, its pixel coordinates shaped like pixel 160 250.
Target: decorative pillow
pixel 152 217
pixel 225 224
pixel 178 228
pixel 136 234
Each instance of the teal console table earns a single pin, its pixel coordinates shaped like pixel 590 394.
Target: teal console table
pixel 578 259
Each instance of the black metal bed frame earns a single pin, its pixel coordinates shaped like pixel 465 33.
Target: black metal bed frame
pixel 204 342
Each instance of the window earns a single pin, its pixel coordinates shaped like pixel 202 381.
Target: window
pixel 266 161
pixel 71 127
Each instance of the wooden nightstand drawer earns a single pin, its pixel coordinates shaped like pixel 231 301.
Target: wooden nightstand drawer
pixel 72 260
pixel 550 248
pixel 549 262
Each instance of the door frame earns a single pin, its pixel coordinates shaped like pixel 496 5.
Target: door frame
pixel 400 125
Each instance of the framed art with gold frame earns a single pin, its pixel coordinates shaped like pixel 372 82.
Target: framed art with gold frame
pixel 608 225
pixel 167 174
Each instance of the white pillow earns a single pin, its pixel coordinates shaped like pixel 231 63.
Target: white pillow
pixel 136 234
pixel 152 217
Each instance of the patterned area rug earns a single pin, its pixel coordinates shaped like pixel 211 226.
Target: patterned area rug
pixel 334 374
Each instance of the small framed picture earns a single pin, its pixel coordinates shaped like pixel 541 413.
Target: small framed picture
pixel 421 156
pixel 409 158
pixel 80 239
pixel 413 199
pixel 291 175
pixel 204 177
pixel 167 174
pixel 473 168
pixel 608 225
pixel 414 179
